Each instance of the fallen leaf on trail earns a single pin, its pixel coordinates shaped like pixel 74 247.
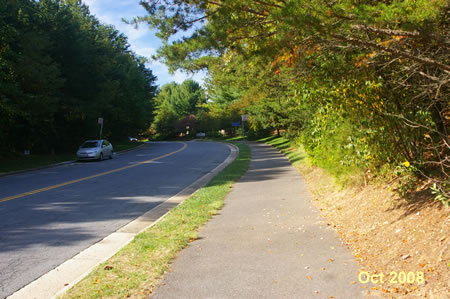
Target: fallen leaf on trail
pixel 353 282
pixel 323 268
pixel 331 297
pixel 66 284
pixel 107 267
pixel 316 291
pixel 308 277
pixel 331 260
pixel 443 238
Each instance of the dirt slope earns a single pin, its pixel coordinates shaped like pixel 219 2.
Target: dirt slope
pixel 389 235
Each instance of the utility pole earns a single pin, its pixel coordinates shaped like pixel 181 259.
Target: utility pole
pixel 100 122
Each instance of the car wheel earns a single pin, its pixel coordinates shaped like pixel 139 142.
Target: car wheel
pixel 101 157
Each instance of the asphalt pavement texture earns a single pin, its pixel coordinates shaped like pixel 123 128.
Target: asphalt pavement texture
pixel 40 231
pixel 268 241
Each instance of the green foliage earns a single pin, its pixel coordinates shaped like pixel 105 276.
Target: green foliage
pixel 60 69
pixel 364 84
pixel 174 103
pixel 408 178
pixel 440 195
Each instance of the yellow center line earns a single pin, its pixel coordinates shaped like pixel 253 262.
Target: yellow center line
pixel 89 177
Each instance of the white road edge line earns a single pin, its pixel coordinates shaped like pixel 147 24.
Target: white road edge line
pixel 57 281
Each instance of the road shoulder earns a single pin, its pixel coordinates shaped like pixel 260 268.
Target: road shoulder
pixel 62 163
pixel 65 276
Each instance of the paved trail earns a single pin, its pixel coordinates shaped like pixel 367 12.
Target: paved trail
pixel 268 241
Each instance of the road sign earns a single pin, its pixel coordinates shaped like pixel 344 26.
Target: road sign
pixel 244 117
pixel 235 124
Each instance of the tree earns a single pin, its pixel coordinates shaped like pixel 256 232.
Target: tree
pixel 60 69
pixel 377 73
pixel 174 103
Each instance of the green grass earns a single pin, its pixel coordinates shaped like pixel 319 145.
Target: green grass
pixel 299 158
pixel 294 152
pixel 125 146
pixel 33 161
pixel 21 162
pixel 138 267
pixel 236 138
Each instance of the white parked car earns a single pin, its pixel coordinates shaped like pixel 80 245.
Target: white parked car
pixel 95 150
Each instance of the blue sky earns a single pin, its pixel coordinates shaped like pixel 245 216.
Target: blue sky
pixel 142 40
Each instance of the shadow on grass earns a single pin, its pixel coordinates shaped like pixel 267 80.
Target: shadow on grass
pixel 229 174
pixel 62 221
pixel 174 232
pixel 22 162
pixel 32 161
pixel 293 152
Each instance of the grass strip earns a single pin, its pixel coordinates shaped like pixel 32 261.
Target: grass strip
pixel 294 152
pixel 23 162
pixel 137 268
pixel 33 161
pixel 125 146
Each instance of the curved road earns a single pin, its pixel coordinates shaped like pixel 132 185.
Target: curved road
pixel 48 216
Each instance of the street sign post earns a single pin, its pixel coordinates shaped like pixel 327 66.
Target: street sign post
pixel 244 118
pixel 100 122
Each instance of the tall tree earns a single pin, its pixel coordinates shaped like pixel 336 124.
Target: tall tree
pixel 375 72
pixel 174 103
pixel 61 69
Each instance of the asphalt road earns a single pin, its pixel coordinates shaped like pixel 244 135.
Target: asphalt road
pixel 70 207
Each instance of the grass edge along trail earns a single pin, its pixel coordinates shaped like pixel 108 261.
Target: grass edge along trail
pixel 295 154
pixel 372 219
pixel 138 267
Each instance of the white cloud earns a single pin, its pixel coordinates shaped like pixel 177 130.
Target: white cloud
pixel 146 52
pixel 179 77
pixel 142 40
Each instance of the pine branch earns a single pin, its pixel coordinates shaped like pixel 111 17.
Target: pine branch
pixel 402 53
pixel 414 33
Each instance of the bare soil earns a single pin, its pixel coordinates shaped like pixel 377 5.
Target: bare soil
pixel 389 234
